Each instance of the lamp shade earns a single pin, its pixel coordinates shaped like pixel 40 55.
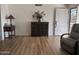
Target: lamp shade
pixel 10 17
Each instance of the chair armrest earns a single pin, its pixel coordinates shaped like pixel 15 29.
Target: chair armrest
pixel 64 35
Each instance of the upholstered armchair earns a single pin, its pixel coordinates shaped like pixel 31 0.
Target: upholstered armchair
pixel 70 43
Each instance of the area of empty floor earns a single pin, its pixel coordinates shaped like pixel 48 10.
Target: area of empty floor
pixel 32 46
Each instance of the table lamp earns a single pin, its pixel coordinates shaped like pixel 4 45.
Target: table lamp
pixel 10 17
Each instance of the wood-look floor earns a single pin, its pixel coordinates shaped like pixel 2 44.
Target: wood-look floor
pixel 33 46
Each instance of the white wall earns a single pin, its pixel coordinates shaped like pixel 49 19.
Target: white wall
pixel 4 13
pixel 23 14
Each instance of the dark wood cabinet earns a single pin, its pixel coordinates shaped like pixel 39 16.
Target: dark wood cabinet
pixel 39 28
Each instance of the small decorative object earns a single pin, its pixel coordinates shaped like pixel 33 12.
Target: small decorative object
pixel 10 17
pixel 38 15
pixel 38 4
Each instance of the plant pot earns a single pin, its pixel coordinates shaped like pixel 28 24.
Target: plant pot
pixel 39 19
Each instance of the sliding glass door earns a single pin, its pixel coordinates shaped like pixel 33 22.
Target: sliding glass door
pixel 73 17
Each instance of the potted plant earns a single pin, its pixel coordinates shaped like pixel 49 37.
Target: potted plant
pixel 38 15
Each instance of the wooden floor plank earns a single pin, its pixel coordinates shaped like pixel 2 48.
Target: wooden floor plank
pixel 33 46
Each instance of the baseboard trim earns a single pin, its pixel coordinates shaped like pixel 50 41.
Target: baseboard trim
pixel 32 36
pixel 23 35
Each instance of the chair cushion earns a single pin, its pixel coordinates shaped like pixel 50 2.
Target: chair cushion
pixel 68 42
pixel 74 35
pixel 75 28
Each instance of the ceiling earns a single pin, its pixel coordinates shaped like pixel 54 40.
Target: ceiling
pixel 71 5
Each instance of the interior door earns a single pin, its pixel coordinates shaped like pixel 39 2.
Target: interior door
pixel 61 21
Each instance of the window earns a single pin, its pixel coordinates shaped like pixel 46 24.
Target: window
pixel 73 17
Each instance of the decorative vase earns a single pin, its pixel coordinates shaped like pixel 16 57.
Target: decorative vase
pixel 39 20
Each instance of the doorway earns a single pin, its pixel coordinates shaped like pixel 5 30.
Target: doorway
pixel 61 20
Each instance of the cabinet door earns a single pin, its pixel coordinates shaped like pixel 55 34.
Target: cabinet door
pixel 39 29
pixel 34 29
pixel 44 29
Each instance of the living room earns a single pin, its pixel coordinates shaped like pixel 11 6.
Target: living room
pixel 55 21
